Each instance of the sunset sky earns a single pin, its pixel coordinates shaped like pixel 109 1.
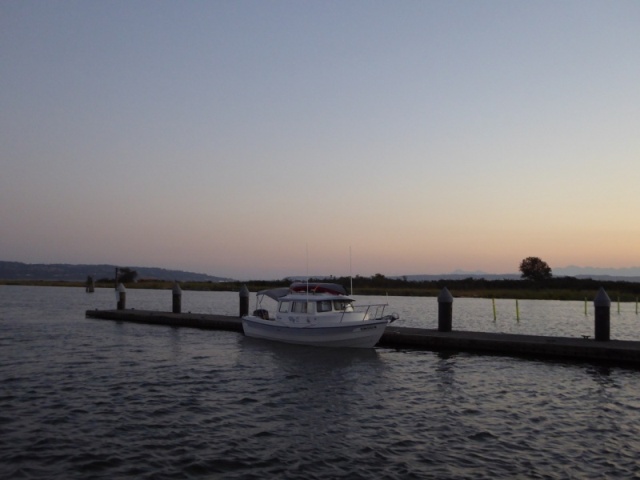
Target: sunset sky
pixel 260 139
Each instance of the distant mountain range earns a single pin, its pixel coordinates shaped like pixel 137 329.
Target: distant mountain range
pixel 595 272
pixel 460 276
pixel 77 273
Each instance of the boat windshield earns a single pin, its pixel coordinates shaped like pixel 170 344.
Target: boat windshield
pixel 284 307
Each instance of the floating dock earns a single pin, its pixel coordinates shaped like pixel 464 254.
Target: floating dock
pixel 583 349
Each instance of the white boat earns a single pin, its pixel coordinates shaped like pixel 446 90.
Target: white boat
pixel 317 314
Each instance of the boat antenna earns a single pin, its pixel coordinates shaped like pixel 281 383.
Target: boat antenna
pixel 350 274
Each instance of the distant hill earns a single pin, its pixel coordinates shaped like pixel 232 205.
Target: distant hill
pixel 76 273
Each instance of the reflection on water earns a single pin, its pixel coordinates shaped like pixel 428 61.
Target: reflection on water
pixel 83 398
pixel 445 370
pixel 299 359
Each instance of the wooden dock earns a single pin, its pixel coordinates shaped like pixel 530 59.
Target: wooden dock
pixel 533 346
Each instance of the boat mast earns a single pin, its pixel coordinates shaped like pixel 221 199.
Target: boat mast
pixel 350 273
pixel 307 267
pixel 307 297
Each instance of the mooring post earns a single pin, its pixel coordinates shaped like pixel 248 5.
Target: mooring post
pixel 90 285
pixel 602 305
pixel 122 297
pixel 445 310
pixel 177 298
pixel 244 301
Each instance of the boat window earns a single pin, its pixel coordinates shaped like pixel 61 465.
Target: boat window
pixel 324 306
pixel 343 305
pixel 284 307
pixel 299 307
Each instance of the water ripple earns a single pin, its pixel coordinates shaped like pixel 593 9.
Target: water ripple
pixel 82 399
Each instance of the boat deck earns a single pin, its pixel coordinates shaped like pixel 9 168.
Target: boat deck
pixel 585 349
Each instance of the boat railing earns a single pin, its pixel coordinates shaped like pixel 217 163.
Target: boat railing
pixel 373 311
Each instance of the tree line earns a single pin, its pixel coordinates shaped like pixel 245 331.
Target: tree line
pixel 536 282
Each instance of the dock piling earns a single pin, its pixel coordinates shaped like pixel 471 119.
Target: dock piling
pixel 244 301
pixel 122 297
pixel 602 304
pixel 89 285
pixel 445 310
pixel 177 298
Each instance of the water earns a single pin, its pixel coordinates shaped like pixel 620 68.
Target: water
pixel 82 398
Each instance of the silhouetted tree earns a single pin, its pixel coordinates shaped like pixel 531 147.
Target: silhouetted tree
pixel 533 268
pixel 126 275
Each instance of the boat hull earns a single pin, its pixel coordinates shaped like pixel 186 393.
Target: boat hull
pixel 353 335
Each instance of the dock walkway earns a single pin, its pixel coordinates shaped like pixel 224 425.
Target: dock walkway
pixel 585 349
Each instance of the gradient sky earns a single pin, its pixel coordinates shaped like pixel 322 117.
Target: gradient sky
pixel 259 139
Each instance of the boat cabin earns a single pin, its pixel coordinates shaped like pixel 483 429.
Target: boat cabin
pixel 303 305
pixel 325 302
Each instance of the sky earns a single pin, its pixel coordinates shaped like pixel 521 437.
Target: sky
pixel 262 139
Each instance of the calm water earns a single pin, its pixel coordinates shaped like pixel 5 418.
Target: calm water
pixel 83 398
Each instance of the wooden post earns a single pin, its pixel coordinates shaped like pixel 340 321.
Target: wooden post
pixel 177 298
pixel 244 301
pixel 445 310
pixel 90 285
pixel 602 305
pixel 122 297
